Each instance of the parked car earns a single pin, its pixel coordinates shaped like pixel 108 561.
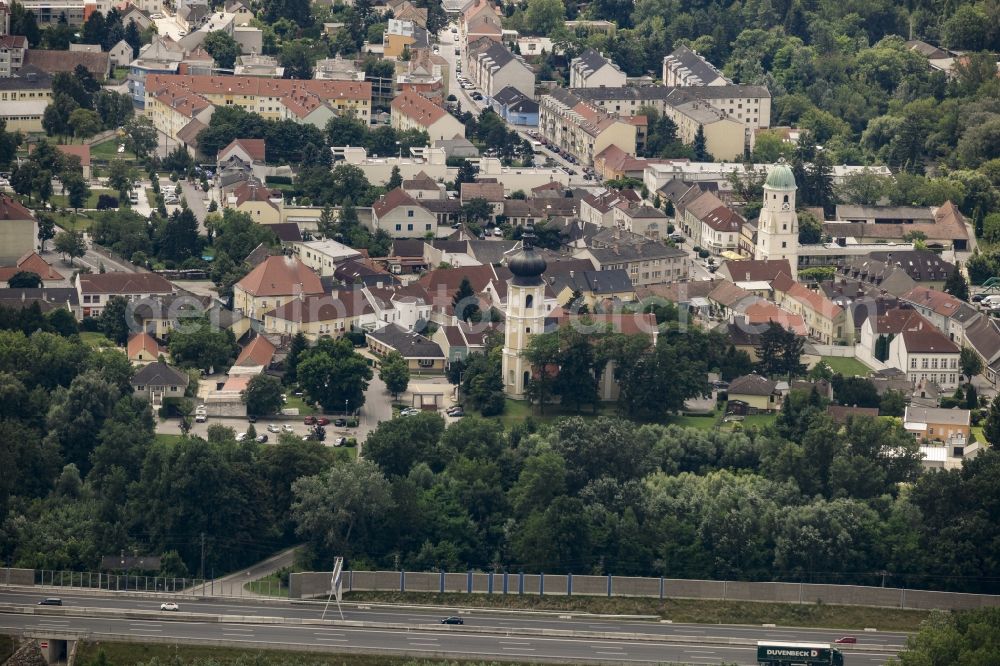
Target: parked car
pixel 252 419
pixel 241 437
pixel 340 423
pixel 340 441
pixel 169 606
pixel 322 420
pixel 50 601
pixel 850 640
pixel 273 428
pixel 453 620
pixel 200 418
pixel 976 298
pixel 287 428
pixel 309 420
pixel 456 413
pixel 261 439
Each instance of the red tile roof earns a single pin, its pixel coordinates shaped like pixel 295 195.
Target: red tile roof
pixel 255 148
pixel 417 108
pixel 258 351
pixel 389 202
pixel 11 209
pixel 32 263
pixel 143 342
pixel 124 283
pixel 281 276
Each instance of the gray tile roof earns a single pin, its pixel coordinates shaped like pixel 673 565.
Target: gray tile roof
pixel 159 374
pixel 407 343
pixel 694 63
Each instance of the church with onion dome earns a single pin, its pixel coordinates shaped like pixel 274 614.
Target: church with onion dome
pixel 525 315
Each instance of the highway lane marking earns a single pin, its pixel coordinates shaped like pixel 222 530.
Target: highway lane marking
pixel 332 640
pixel 612 654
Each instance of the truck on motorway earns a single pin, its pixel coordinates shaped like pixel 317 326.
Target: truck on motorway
pixel 798 654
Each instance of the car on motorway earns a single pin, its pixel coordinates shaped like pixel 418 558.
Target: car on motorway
pixel 50 601
pixel 451 619
pixel 273 428
pixel 169 606
pixel 846 640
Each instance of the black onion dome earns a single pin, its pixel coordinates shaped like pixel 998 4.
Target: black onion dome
pixel 527 265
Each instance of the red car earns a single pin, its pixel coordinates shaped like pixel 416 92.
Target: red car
pixel 310 420
pixel 847 639
pixel 322 421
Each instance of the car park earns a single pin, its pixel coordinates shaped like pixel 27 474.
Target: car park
pixel 169 606
pixel 50 601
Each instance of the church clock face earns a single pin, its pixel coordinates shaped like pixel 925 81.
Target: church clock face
pixel 784 206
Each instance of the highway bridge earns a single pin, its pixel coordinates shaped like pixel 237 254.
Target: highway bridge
pixel 412 631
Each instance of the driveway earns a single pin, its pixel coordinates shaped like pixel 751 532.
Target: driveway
pixel 195 197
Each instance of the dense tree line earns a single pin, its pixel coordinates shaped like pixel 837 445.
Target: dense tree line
pixel 91 479
pixel 805 500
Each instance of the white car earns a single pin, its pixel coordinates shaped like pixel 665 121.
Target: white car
pixel 200 418
pixel 273 428
pixel 169 606
pixel 241 437
pixel 287 428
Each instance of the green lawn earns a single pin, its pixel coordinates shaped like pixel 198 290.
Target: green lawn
pixel 847 366
pixel 517 411
pixel 62 201
pixel 95 339
pixel 151 198
pixel 295 401
pixel 707 422
pixel 69 220
pixel 759 420
pixel 268 585
pixel 977 434
pixel 108 150
pixel 345 453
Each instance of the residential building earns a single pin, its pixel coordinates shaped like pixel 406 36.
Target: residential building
pixel 322 316
pixel 161 56
pixel 121 54
pixel 311 102
pixel 923 266
pixel 258 65
pixel 646 262
pixel 12 50
pixel 641 219
pixel 459 340
pixel 324 256
pixel 410 110
pixel 401 216
pixel 424 188
pixel 599 209
pixel 592 70
pixel 580 129
pixel 613 163
pixel 825 321
pixel 408 307
pixel 51 12
pixel 686 67
pixel 273 283
pixel 903 339
pixel 18 230
pixel 48 298
pixel 952 427
pixel 753 270
pixel 595 287
pixel 949 315
pixel 983 336
pixel 421 354
pixel 96 289
pixel 337 69
pixel 493 67
pixel 401 37
pixel 752 394
pixel 32 262
pixel 515 107
pixel 948 231
pixel 260 203
pixel 490 192
pixel 157 382
pixel 23 99
pixel 725 136
pixel 142 348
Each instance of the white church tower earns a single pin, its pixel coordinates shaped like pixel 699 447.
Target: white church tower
pixel 525 315
pixel 778 226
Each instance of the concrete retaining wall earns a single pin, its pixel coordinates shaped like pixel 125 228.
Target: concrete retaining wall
pixel 315 584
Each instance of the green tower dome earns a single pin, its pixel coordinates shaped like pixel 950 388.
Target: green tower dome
pixel 780 177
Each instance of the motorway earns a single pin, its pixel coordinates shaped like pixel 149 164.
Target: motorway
pixel 417 639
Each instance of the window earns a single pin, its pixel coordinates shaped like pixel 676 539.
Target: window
pixel 913 363
pixel 529 301
pixel 784 244
pixel 425 362
pixel 409 227
pixel 923 364
pixel 399 227
pixel 428 227
pixel 409 213
pixel 934 363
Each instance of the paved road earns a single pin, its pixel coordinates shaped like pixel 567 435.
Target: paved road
pixel 476 618
pixel 233 584
pixel 195 197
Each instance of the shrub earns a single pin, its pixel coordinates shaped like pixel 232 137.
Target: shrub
pixel 106 201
